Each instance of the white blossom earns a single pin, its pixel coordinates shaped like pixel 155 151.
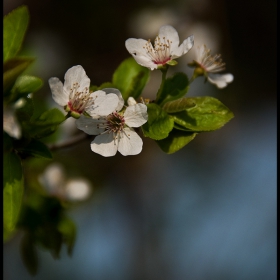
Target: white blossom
pixel 166 48
pixel 209 65
pixel 10 123
pixel 55 183
pixel 75 96
pixel 115 131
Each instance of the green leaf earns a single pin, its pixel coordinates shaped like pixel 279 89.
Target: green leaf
pixel 178 105
pixel 209 114
pixel 105 85
pixel 45 124
pixel 24 85
pixel 29 254
pixel 130 78
pixel 37 149
pixel 174 88
pixel 159 124
pixel 7 142
pixel 175 141
pixel 179 127
pixel 15 26
pixel 50 238
pixel 12 69
pixel 25 112
pixel 13 190
pixel 68 229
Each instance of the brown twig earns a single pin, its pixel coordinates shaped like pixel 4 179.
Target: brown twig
pixel 74 140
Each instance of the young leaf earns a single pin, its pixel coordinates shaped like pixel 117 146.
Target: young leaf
pixel 15 26
pixel 178 105
pixel 25 113
pixel 159 124
pixel 12 69
pixel 24 85
pixel 209 114
pixel 130 78
pixel 68 229
pixel 174 88
pixel 29 254
pixel 37 149
pixel 175 141
pixel 46 124
pixel 13 189
pixel 105 85
pixel 7 142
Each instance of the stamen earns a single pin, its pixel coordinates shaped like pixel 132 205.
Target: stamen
pixel 160 52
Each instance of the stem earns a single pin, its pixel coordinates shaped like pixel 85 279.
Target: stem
pixel 163 79
pixel 68 115
pixel 192 79
pixel 68 143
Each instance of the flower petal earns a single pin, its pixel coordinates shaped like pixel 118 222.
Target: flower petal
pixel 77 189
pixel 104 145
pixel 76 74
pixel 60 96
pixel 136 48
pixel 118 93
pixel 220 81
pixel 171 34
pixel 136 115
pixel 130 143
pixel 104 104
pixel 91 126
pixel 183 48
pixel 131 101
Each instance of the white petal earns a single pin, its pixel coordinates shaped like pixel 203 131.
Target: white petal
pixel 53 179
pixel 131 101
pixel 136 115
pixel 118 93
pixel 130 143
pixel 10 123
pixel 184 47
pixel 220 81
pixel 136 48
pixel 104 145
pixel 91 126
pixel 200 53
pixel 76 74
pixel 77 189
pixel 171 34
pixel 58 94
pixel 104 104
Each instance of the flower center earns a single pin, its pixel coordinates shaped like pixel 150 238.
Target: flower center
pixel 115 122
pixel 160 53
pixel 79 100
pixel 211 63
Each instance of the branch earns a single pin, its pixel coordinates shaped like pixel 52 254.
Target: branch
pixel 68 143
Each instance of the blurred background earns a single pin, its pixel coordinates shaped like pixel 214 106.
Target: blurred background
pixel 205 212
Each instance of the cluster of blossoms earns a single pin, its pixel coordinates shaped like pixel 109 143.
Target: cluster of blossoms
pixel 55 183
pixel 103 113
pixel 100 113
pixel 166 48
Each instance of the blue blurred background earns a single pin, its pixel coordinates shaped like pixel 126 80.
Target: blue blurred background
pixel 205 212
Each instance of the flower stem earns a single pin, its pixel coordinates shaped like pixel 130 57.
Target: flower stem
pixel 68 115
pixel 163 79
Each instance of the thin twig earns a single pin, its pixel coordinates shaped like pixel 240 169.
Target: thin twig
pixel 68 143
